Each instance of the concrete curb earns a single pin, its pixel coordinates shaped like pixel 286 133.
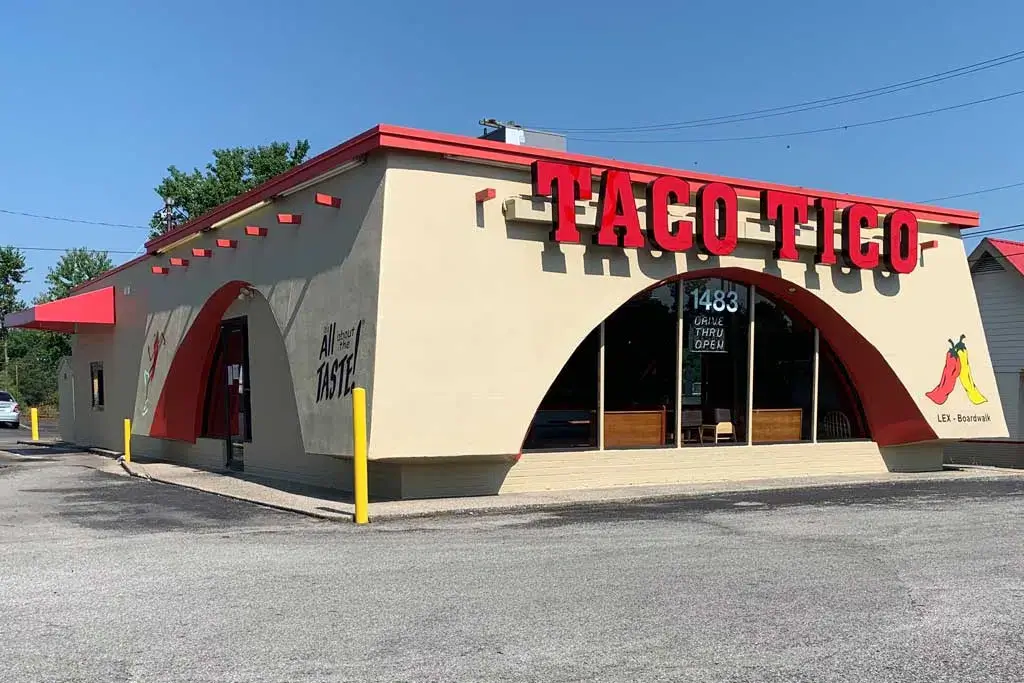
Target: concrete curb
pixel 542 502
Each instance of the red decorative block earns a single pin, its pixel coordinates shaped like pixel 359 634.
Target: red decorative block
pixel 227 244
pixel 255 231
pixel 289 218
pixel 931 244
pixel 182 262
pixel 484 195
pixel 160 270
pixel 202 253
pixel 328 200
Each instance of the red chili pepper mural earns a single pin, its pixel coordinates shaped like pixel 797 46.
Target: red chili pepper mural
pixel 957 367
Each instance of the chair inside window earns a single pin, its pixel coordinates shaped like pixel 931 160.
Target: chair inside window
pixel 691 426
pixel 834 425
pixel 719 427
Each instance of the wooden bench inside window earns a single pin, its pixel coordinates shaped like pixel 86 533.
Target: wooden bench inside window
pixel 775 425
pixel 629 428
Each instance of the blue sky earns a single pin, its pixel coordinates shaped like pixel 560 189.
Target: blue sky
pixel 97 99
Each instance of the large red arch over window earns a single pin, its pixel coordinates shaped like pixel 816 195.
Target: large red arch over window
pixel 892 415
pixel 178 414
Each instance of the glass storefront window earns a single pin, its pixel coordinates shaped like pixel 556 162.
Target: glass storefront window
pixel 715 328
pixel 567 416
pixel 840 415
pixel 640 370
pixel 783 374
pixel 646 359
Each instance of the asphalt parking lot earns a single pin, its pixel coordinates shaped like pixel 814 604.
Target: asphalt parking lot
pixel 109 578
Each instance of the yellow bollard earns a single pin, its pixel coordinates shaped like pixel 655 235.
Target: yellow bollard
pixel 127 440
pixel 34 415
pixel 359 477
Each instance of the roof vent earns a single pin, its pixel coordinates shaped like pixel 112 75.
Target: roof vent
pixel 511 133
pixel 986 263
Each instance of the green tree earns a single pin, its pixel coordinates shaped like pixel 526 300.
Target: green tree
pixel 12 276
pixel 75 267
pixel 33 367
pixel 233 171
pixel 32 356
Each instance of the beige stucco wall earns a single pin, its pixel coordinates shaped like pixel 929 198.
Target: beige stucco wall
pixel 308 276
pixel 478 314
pixel 468 317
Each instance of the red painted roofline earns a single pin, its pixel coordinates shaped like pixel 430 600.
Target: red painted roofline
pixel 398 138
pixel 1011 251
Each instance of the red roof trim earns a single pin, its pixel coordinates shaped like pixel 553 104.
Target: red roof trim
pixel 91 308
pixel 414 140
pixel 346 151
pixel 1011 251
pixel 394 137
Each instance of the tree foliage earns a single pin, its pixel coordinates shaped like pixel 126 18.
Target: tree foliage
pixel 232 172
pixel 74 268
pixel 12 276
pixel 31 357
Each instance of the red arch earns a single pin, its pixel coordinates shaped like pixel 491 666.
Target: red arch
pixel 893 416
pixel 179 410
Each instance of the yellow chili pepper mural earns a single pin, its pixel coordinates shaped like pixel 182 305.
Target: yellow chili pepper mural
pixel 958 366
pixel 965 374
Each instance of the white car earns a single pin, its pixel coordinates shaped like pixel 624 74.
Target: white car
pixel 10 413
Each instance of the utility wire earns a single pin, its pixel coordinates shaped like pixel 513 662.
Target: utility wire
pixel 107 251
pixel 808 105
pixel 73 220
pixel 971 194
pixel 810 131
pixel 975 232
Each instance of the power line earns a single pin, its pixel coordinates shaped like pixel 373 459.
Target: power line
pixel 975 232
pixel 107 251
pixel 971 194
pixel 73 220
pixel 810 131
pixel 808 105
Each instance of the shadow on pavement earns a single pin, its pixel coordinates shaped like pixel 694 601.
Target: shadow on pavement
pixel 126 505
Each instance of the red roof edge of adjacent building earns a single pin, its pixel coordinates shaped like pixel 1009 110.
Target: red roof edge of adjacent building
pixel 475 149
pixel 1012 251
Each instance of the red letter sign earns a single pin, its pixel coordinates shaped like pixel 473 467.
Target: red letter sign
pixel 900 230
pixel 787 210
pixel 855 253
pixel 660 193
pixel 616 208
pixel 564 184
pixel 717 235
pixel 825 244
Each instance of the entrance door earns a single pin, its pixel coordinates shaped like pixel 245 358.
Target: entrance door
pixel 228 414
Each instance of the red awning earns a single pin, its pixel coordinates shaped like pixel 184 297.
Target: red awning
pixel 63 315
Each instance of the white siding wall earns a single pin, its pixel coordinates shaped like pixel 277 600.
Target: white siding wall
pixel 1001 302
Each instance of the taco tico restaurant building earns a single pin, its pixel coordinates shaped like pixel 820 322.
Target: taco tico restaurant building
pixel 527 319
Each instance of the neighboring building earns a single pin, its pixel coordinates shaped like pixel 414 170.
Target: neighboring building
pixel 524 318
pixel 997 268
